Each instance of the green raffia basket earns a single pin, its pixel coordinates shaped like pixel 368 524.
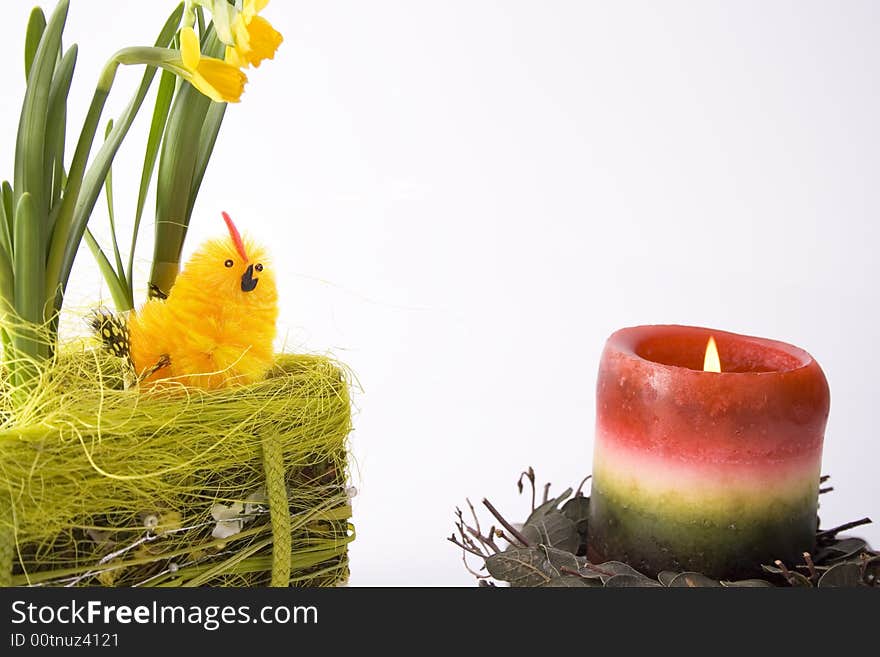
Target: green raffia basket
pixel 100 485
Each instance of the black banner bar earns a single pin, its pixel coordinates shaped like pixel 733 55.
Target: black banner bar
pixel 128 620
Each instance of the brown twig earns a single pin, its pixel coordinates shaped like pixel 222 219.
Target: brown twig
pixel 546 492
pixel 454 540
pixel 596 569
pixel 476 532
pixel 530 475
pixel 491 541
pixel 847 525
pixel 578 492
pixel 513 530
pixel 785 572
pixel 482 539
pixel 504 537
pixel 465 538
pixel 468 568
pixel 474 514
pixel 810 566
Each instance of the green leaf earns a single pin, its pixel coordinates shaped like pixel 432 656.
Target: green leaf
pixel 82 190
pixel 5 234
pixel 190 135
pixel 56 122
pixel 108 188
pixel 30 173
pixel 28 261
pixel 631 581
pixel 174 184
pixel 693 580
pixel 28 272
pixel 552 529
pixel 200 21
pixel 8 203
pixel 519 566
pixel 36 25
pixel 164 96
pixel 842 575
pixel 118 290
pixel 207 141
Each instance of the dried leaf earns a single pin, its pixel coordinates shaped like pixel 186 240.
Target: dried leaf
pixel 560 560
pixel 747 583
pixel 871 571
pixel 842 575
pixel 846 547
pixel 666 576
pixel 612 568
pixel 577 509
pixel 567 581
pixel 694 581
pixel 547 507
pixel 552 529
pixel 519 566
pixel 630 581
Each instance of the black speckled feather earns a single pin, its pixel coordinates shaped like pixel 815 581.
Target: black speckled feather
pixel 113 332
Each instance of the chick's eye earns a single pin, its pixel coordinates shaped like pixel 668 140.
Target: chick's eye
pixel 258 267
pixel 228 263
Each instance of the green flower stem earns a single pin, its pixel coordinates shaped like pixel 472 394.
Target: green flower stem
pixel 118 289
pixel 193 125
pixel 84 188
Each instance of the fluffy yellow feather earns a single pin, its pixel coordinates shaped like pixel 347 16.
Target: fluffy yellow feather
pixel 217 326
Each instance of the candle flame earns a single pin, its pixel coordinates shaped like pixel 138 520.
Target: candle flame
pixel 711 362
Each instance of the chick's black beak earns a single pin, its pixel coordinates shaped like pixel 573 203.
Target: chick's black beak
pixel 248 282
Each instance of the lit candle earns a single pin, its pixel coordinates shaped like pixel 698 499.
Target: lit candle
pixel 705 459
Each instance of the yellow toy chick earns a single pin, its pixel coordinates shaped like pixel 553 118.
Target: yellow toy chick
pixel 216 326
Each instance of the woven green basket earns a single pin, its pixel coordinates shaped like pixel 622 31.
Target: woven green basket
pixel 180 487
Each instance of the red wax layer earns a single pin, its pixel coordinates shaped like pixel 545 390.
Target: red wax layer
pixel 770 403
pixel 678 448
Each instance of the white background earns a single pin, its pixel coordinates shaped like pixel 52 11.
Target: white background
pixel 465 198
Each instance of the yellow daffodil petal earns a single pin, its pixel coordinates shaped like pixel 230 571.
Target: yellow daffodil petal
pixel 219 81
pixel 263 40
pixel 190 51
pixel 240 34
pixel 231 57
pixel 254 7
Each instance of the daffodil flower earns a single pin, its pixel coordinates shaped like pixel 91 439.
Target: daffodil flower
pixel 218 80
pixel 254 37
pixel 213 77
pixel 249 38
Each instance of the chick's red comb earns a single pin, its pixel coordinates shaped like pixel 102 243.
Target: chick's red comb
pixel 236 236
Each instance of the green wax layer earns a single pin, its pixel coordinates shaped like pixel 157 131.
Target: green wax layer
pixel 727 544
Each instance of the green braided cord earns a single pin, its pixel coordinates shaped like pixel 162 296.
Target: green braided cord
pixel 7 546
pixel 279 511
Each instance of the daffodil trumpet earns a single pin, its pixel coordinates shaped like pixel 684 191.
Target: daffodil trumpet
pixel 249 38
